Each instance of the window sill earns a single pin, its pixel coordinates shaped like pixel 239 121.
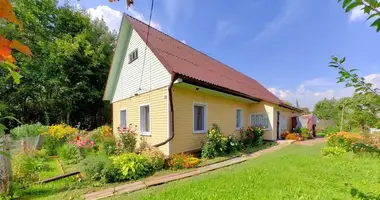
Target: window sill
pixel 146 134
pixel 238 129
pixel 200 132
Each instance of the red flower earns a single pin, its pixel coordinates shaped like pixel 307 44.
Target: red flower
pixel 77 137
pixel 251 135
pixel 118 144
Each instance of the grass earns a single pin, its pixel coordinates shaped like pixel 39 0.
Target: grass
pixel 295 172
pixel 55 169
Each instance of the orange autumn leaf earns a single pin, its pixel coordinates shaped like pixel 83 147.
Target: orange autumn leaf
pixel 20 47
pixel 5 49
pixel 6 12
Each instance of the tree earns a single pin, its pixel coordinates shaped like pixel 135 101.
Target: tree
pixel 326 109
pixel 64 81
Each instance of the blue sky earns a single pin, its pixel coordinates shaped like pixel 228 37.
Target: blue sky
pixel 284 44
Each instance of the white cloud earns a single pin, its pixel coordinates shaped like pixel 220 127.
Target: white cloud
pixel 223 30
pixel 310 92
pixel 141 17
pixel 357 14
pixel 110 16
pixel 183 41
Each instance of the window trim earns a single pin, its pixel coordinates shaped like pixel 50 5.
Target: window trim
pixel 283 122
pixel 205 118
pixel 241 118
pixel 130 55
pixel 265 114
pixel 126 117
pixel 150 120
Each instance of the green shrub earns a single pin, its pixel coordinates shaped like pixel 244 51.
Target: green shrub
pixel 333 151
pixel 156 157
pixel 108 145
pixel 128 139
pixel 331 130
pixel 305 132
pixel 70 153
pixel 215 144
pixel 253 136
pixel 26 167
pixel 132 166
pixel 100 168
pixel 52 144
pixel 28 130
pixel 298 130
pixel 233 145
pixel 321 134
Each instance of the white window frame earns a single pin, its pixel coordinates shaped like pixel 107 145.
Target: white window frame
pixel 241 125
pixel 133 56
pixel 205 117
pixel 126 117
pixel 265 114
pixel 150 120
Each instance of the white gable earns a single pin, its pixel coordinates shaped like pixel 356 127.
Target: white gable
pixel 151 75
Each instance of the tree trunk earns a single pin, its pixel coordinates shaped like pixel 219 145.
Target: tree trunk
pixel 5 166
pixel 68 117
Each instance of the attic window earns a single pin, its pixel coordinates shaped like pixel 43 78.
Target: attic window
pixel 133 56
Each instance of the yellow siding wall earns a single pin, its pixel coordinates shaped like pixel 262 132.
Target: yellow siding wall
pixel 158 101
pixel 221 111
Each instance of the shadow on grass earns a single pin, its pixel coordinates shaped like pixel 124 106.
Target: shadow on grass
pixel 355 192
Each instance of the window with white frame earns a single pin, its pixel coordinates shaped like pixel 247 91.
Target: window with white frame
pixel 283 123
pixel 145 119
pixel 133 56
pixel 199 118
pixel 260 120
pixel 123 119
pixel 239 119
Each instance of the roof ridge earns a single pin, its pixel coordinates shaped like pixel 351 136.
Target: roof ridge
pixel 191 47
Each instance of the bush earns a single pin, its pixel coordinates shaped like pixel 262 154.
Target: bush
pixel 333 151
pixel 292 136
pixel 369 145
pixel 343 140
pixel 305 133
pixel 283 135
pixel 331 130
pixel 70 153
pixel 108 144
pixel 156 157
pixel 100 168
pixel 253 136
pixel 132 166
pixel 26 167
pixel 182 161
pixel 28 130
pixel 52 144
pixel 215 144
pixel 128 139
pixel 56 136
pixel 233 145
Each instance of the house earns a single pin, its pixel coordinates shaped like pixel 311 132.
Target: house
pixel 173 93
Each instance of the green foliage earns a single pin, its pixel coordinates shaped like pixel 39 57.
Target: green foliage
pixel 28 130
pixel 333 151
pixel 298 130
pixel 215 144
pixel 253 136
pixel 52 144
pixel 369 7
pixel 128 140
pixel 26 167
pixel 132 166
pixel 155 156
pixel 233 145
pixel 69 67
pixel 326 109
pixel 100 168
pixel 331 130
pixel 70 153
pixel 305 132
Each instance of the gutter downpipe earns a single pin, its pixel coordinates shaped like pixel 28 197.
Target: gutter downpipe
pixel 174 77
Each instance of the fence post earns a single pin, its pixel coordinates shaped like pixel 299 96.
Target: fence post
pixel 5 165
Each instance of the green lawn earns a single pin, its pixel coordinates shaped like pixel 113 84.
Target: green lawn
pixel 295 172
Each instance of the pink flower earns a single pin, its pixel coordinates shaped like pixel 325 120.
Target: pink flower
pixel 91 143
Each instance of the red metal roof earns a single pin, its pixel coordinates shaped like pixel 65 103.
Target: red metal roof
pixel 180 58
